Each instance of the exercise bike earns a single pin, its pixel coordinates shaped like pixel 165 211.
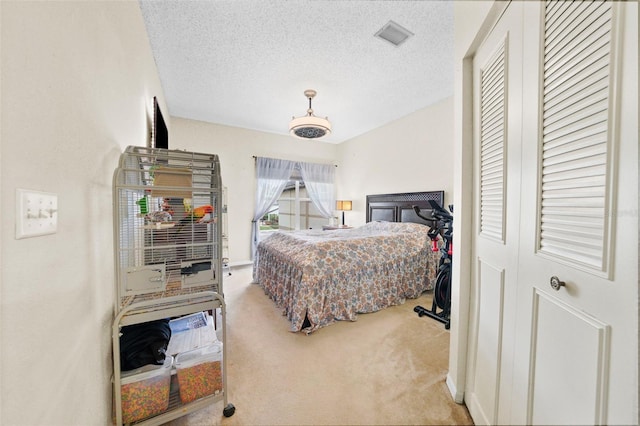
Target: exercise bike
pixel 441 226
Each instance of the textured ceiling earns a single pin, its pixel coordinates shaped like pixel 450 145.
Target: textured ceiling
pixel 247 63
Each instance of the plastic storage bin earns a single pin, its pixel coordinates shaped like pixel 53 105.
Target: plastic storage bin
pixel 199 372
pixel 145 391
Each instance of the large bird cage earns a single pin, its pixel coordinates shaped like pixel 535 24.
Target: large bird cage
pixel 167 233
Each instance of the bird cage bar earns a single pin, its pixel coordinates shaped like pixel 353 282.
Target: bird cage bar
pixel 168 236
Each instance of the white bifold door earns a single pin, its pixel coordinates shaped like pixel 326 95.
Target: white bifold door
pixel 554 309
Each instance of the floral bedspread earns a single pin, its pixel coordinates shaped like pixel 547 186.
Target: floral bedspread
pixel 328 276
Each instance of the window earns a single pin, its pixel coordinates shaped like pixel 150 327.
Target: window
pixel 281 183
pixel 297 211
pixel 293 210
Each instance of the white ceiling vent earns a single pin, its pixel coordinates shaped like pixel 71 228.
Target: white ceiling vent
pixel 394 33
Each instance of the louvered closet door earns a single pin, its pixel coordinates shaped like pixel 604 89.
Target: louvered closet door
pixel 576 360
pixel 497 81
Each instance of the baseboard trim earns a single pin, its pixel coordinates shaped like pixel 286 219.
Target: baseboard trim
pixel 457 397
pixel 240 263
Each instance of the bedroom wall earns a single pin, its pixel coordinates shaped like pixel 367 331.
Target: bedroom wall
pixel 411 154
pixel 236 147
pixel 77 81
pixel 392 158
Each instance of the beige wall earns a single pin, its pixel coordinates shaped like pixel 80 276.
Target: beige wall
pixel 77 81
pixel 236 148
pixel 411 154
pixel 392 158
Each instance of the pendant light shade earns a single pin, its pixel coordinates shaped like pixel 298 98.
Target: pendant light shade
pixel 309 126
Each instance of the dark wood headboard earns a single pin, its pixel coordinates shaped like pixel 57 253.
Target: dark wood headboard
pixel 399 207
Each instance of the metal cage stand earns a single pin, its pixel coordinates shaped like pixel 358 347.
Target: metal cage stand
pixel 168 254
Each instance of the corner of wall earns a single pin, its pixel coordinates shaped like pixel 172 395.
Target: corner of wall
pixel 458 397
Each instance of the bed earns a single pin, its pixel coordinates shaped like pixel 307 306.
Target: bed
pixel 318 277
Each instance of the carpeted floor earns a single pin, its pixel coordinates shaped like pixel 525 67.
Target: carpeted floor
pixel 386 368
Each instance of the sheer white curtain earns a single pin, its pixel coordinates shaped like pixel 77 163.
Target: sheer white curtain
pixel 272 176
pixel 318 179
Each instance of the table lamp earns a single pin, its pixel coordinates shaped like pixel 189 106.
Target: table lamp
pixel 343 205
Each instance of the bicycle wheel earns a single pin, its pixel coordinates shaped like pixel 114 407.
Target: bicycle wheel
pixel 443 281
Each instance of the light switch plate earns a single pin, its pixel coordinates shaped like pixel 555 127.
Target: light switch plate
pixel 36 213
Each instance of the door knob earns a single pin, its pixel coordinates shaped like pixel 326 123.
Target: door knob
pixel 556 283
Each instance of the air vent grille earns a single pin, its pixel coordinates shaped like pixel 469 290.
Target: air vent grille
pixel 394 33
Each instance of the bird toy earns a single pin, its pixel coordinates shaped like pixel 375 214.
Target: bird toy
pixel 196 215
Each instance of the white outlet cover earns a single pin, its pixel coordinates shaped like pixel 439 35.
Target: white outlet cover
pixel 36 213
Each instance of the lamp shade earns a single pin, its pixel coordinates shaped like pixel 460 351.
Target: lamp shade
pixel 309 126
pixel 343 205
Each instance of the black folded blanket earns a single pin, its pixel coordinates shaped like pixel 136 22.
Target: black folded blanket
pixel 144 343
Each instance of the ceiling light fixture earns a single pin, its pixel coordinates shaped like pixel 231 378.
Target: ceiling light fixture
pixel 309 126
